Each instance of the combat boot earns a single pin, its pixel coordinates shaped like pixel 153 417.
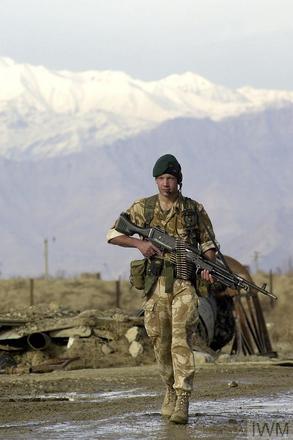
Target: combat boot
pixel 180 414
pixel 169 402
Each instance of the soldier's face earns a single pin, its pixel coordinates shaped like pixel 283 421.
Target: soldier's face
pixel 167 185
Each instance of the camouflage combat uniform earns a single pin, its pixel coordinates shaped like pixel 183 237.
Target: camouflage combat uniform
pixel 170 318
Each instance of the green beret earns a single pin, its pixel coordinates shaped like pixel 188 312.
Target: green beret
pixel 168 164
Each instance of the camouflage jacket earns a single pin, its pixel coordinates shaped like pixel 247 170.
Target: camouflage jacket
pixel 171 221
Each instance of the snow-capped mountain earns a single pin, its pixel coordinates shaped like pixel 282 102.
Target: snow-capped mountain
pixel 78 111
pixel 77 148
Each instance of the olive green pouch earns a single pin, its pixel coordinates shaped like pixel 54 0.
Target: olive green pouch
pixel 154 269
pixel 137 273
pixel 169 276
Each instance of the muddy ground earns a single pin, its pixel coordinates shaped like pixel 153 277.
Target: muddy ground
pixel 124 403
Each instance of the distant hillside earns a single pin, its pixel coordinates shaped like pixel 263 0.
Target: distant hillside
pixel 239 168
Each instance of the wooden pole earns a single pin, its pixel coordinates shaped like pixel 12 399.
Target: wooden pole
pixel 262 325
pixel 271 287
pixel 256 260
pixel 46 257
pixel 32 291
pixel 118 293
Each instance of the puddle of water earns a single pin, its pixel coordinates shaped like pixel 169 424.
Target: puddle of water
pixel 277 406
pixel 79 397
pixel 209 419
pixel 35 399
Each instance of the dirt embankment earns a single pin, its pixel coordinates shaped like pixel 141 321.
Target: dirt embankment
pixel 87 292
pixel 80 293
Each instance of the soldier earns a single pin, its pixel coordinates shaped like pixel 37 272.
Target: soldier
pixel 171 312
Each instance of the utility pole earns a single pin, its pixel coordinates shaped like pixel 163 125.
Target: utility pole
pixel 290 266
pixel 46 257
pixel 118 292
pixel 256 259
pixel 32 292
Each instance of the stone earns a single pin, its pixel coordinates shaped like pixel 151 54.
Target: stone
pixel 224 358
pixel 70 341
pixel 132 334
pixel 107 349
pixel 81 331
pixel 135 349
pixel 202 358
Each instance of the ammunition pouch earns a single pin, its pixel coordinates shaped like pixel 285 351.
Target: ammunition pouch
pixel 170 275
pixel 138 273
pixel 145 273
pixel 154 269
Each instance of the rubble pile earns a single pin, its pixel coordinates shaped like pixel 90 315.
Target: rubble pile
pixel 42 339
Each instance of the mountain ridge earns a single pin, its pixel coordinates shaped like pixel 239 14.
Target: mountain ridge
pixel 100 107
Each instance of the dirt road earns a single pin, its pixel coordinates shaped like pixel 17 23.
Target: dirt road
pixel 124 403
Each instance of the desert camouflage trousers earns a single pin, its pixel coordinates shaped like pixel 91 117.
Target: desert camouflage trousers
pixel 170 321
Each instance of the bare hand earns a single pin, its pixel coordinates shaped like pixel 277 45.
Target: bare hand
pixel 205 275
pixel 148 249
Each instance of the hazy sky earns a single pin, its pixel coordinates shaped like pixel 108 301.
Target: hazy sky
pixel 232 42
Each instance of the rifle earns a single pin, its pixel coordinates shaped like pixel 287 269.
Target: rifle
pixel 168 243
